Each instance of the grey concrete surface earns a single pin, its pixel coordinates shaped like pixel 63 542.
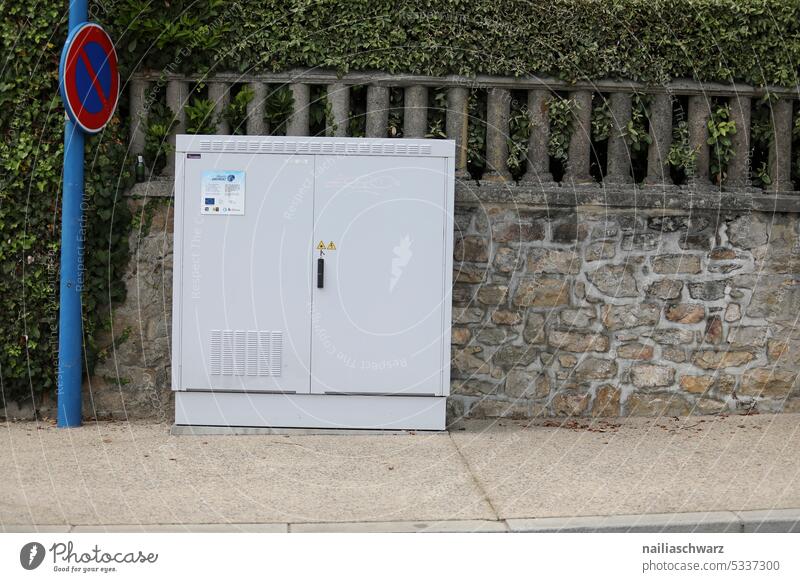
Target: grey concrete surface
pixel 137 473
pixel 449 526
pixel 185 528
pixel 636 466
pixel 708 473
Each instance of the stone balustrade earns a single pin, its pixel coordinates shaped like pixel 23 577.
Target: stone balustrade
pixel 618 166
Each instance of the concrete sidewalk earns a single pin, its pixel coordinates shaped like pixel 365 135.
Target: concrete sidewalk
pixel 690 474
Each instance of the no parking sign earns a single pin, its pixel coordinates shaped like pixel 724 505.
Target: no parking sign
pixel 88 77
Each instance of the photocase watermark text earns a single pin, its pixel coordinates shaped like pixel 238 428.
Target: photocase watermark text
pixel 66 553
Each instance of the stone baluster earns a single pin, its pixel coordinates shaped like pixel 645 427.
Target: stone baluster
pixel 498 111
pixel 780 147
pixel 255 110
pixel 177 94
pixel 618 170
pixel 580 142
pixel 415 111
pixel 739 164
pixel 377 111
pixel 457 127
pixel 660 118
pixel 219 95
pixel 699 114
pixel 339 98
pixel 299 121
pixel 138 109
pixel 538 156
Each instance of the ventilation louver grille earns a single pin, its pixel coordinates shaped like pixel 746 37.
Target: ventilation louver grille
pixel 245 353
pixel 309 147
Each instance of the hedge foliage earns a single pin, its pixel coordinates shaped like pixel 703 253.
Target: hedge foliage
pixel 756 41
pixel 652 40
pixel 31 122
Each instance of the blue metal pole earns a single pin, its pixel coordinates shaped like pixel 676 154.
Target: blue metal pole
pixel 70 336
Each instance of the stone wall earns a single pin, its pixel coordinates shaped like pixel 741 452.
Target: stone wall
pixel 609 311
pixel 558 310
pixel 132 380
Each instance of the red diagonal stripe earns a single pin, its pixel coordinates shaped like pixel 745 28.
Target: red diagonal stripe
pixel 93 76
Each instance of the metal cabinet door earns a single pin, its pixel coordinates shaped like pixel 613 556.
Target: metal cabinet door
pixel 377 324
pixel 246 311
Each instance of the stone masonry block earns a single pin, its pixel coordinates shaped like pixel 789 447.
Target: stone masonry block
pixel 615 280
pixel 652 376
pixel 471 248
pixel 573 341
pixel 632 315
pixel 542 292
pixel 563 262
pixel 676 264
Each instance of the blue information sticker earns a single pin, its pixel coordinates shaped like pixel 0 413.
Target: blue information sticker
pixel 222 192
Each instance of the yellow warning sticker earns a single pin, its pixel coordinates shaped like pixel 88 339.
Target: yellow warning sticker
pixel 331 246
pixel 321 246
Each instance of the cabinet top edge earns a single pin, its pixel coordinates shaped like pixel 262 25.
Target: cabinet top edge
pixel 347 146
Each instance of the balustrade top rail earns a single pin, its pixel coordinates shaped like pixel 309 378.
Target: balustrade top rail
pixel 322 77
pixel 618 166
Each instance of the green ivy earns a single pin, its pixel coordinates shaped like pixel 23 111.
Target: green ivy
pixel 602 121
pixel 277 109
pixel 200 116
pixel 720 129
pixel 437 113
pixel 319 110
pixel 160 123
pixel 519 130
pixel 760 136
pixel 31 155
pixel 683 158
pixel 562 113
pixel 681 155
pixel 236 111
pixel 653 40
pixel 638 133
pixel 761 175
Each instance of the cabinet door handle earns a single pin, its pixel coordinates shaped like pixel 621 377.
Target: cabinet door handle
pixel 320 273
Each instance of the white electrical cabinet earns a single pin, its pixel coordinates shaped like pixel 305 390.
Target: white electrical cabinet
pixel 312 282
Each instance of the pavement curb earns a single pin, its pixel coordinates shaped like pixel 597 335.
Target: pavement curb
pixel 761 521
pixel 707 522
pixel 753 521
pixel 770 521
